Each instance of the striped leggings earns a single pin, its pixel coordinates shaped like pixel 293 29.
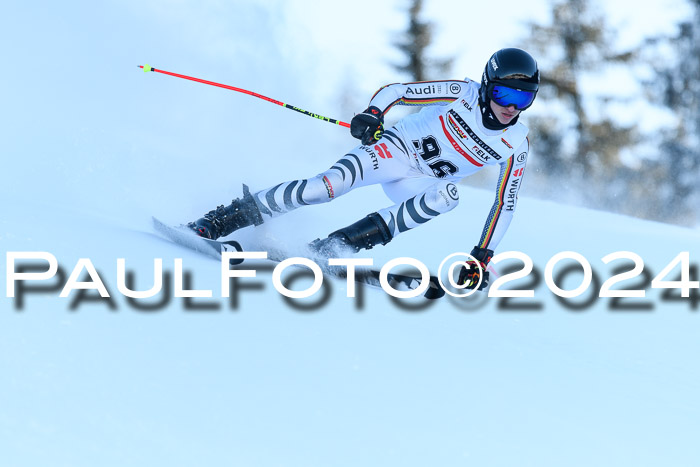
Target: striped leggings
pixel 418 197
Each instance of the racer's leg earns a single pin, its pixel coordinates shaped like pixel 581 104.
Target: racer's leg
pixel 364 165
pixel 437 199
pixel 379 228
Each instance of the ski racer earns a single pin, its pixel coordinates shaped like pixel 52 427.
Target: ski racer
pixel 463 127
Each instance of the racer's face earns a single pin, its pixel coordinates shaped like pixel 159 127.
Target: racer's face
pixel 504 114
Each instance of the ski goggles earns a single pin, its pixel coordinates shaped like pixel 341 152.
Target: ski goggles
pixel 505 96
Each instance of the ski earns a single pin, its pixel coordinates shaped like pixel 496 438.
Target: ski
pixel 364 275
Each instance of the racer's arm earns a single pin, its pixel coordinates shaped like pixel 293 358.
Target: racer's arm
pixel 474 275
pixel 509 182
pixel 419 93
pixel 368 126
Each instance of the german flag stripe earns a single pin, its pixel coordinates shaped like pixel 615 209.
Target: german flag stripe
pixel 412 101
pixel 435 100
pixel 492 221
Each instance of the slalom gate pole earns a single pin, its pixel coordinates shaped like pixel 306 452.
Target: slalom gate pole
pixel 147 68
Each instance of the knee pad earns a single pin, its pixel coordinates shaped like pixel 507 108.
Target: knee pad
pixel 441 197
pixel 323 188
pixel 438 199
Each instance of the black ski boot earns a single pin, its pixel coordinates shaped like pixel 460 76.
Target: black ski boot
pixel 363 234
pixel 223 220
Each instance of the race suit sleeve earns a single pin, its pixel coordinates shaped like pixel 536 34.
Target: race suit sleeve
pixel 509 182
pixel 418 93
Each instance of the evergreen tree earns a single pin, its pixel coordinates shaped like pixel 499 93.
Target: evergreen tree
pixel 577 43
pixel 677 87
pixel 414 45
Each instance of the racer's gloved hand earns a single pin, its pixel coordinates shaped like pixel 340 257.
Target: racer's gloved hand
pixel 469 275
pixel 368 126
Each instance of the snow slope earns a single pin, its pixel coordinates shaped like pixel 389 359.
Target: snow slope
pixel 349 381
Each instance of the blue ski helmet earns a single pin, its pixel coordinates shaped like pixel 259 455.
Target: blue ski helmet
pixel 511 77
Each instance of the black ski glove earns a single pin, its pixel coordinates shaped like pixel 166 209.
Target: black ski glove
pixel 471 273
pixel 368 126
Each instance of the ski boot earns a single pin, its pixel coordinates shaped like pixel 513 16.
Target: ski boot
pixel 363 234
pixel 223 220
